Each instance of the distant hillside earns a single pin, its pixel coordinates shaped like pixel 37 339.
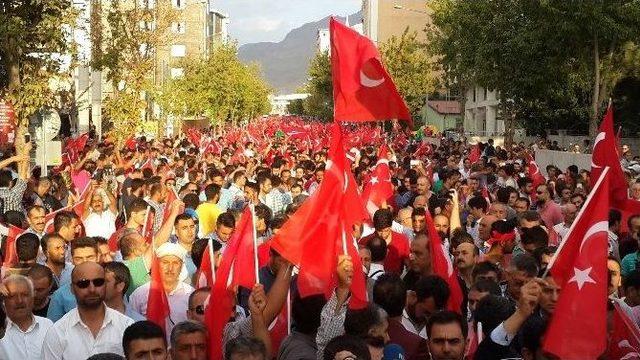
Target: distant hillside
pixel 285 63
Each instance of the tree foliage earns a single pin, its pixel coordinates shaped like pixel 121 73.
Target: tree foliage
pixel 319 103
pixel 551 61
pixel 219 87
pixel 33 34
pixel 126 38
pixel 411 67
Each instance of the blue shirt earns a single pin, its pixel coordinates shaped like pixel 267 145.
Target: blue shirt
pixel 62 301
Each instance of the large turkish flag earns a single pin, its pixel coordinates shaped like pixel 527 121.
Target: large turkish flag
pixel 362 88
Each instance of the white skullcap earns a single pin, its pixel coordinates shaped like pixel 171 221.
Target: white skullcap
pixel 168 248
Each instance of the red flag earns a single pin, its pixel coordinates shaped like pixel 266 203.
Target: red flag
pixel 171 197
pixel 235 269
pixel 147 228
pixel 321 230
pixel 205 272
pixel 157 303
pixel 578 328
pixel 10 255
pixel 443 267
pixel 625 336
pixel 362 88
pixel 379 189
pixel 534 172
pixel 605 153
pixel 279 327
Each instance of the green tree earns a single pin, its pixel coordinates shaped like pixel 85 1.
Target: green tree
pixel 30 32
pixel 564 55
pixel 126 37
pixel 220 87
pixel 408 62
pixel 296 107
pixel 319 104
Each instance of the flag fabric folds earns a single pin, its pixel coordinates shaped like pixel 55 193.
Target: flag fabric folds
pixel 578 328
pixel 321 230
pixel 379 190
pixel 625 336
pixel 237 268
pixel 362 88
pixel 158 309
pixel 443 266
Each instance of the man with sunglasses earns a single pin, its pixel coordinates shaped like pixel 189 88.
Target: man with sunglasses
pixel 197 301
pixel 83 250
pixel 92 327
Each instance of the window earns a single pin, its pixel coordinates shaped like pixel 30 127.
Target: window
pixel 485 94
pixel 177 72
pixel 178 27
pixel 179 4
pixel 474 94
pixel 147 4
pixel 178 50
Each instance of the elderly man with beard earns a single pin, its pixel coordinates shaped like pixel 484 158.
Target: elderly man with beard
pixel 25 332
pixel 92 327
pixel 171 257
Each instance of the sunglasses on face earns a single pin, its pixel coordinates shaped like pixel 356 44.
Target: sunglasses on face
pixel 539 192
pixel 199 309
pixel 84 283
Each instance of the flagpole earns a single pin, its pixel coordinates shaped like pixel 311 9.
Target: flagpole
pixel 344 241
pixel 573 225
pixel 255 243
pixel 144 226
pixel 289 311
pixel 212 260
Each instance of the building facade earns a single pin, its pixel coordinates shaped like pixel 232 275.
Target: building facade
pixel 198 28
pixel 481 115
pixel 382 19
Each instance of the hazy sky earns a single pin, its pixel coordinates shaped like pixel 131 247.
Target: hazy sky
pixel 270 20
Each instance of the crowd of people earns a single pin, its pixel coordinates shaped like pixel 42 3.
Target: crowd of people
pixel 78 284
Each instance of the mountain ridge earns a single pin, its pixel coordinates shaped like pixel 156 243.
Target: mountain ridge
pixel 284 64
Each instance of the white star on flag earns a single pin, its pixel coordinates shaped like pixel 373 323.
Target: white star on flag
pixel 580 277
pixel 374 180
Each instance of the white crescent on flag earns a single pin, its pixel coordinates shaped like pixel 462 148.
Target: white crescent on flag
pixel 369 82
pixel 601 226
pixel 601 136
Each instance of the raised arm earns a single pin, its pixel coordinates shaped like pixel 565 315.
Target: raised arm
pixel 278 293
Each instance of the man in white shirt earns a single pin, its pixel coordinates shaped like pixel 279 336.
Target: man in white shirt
pixel 99 220
pixel 569 212
pixel 171 257
pixel 24 332
pixel 92 327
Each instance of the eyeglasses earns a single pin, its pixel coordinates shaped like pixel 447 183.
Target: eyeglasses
pixel 84 283
pixel 199 309
pixel 539 192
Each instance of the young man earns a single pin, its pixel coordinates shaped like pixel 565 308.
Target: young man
pixel 209 211
pixel 389 293
pixel 447 333
pixel 144 340
pixel 117 280
pixel 53 247
pixel 83 250
pixel 42 279
pixel 397 244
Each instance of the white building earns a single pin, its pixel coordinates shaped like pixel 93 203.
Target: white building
pixel 323 41
pixel 279 103
pixel 481 112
